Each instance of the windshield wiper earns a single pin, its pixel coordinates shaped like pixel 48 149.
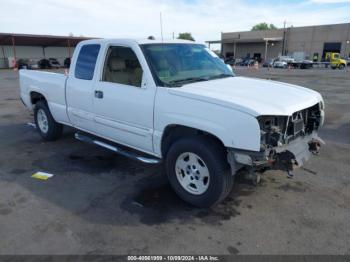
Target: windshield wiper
pixel 220 76
pixel 187 80
pixel 178 82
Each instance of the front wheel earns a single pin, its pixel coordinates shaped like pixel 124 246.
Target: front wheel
pixel 198 171
pixel 341 66
pixel 48 128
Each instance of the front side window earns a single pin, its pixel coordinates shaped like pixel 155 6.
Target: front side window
pixel 86 62
pixel 122 67
pixel 177 64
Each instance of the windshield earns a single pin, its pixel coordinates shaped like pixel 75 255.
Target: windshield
pixel 174 65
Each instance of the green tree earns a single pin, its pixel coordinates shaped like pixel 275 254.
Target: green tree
pixel 185 36
pixel 263 26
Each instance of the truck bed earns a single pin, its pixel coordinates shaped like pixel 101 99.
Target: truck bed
pixel 50 85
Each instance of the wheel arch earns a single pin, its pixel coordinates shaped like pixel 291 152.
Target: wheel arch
pixel 35 97
pixel 174 132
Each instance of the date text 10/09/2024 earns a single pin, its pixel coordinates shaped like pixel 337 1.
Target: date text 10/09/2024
pixel 173 258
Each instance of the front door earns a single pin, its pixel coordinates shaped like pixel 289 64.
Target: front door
pixel 124 99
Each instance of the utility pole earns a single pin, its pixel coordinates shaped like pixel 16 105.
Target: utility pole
pixel 284 37
pixel 14 51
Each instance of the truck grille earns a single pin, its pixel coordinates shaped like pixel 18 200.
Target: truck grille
pixel 277 130
pixel 303 122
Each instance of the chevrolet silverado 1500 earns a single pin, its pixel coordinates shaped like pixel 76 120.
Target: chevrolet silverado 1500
pixel 177 102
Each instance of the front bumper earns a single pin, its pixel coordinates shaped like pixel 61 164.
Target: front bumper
pixel 286 157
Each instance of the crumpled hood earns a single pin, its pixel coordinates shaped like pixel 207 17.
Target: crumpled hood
pixel 251 95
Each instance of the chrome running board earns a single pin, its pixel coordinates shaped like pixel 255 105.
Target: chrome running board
pixel 129 154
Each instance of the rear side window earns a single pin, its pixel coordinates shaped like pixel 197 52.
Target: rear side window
pixel 86 62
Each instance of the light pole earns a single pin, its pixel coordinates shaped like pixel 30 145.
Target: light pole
pixel 284 36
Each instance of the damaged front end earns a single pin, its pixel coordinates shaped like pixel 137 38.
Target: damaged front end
pixel 286 142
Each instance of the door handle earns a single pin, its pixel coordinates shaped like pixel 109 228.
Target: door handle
pixel 98 94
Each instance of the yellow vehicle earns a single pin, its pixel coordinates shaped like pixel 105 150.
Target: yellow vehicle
pixel 335 60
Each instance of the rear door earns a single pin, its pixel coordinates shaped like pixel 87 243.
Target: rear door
pixel 124 97
pixel 80 87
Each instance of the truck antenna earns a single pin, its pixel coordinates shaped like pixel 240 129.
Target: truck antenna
pixel 161 25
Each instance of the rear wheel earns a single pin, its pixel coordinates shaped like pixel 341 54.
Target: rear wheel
pixel 47 127
pixel 198 171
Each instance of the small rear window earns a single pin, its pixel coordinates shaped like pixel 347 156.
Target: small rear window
pixel 86 62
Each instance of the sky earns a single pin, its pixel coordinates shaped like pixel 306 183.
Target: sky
pixel 205 19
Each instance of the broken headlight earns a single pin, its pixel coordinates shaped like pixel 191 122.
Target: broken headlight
pixel 272 130
pixel 278 130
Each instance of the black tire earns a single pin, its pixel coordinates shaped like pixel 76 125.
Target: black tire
pixel 341 67
pixel 215 158
pixel 54 129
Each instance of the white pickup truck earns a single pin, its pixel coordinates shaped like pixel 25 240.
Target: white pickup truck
pixel 177 102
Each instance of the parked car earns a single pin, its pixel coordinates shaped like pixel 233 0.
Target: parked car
pixel 66 62
pixel 238 61
pixel 54 63
pixel 153 101
pixel 27 64
pixel 230 61
pixel 248 62
pixel 348 61
pixel 280 64
pixel 44 64
pixel 287 59
pixel 23 63
pixel 268 63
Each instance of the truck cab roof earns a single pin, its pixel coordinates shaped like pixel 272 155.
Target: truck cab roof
pixel 137 41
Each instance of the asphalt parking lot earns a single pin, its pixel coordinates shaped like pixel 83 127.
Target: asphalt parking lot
pixel 101 203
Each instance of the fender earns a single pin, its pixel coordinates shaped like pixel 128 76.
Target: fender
pixel 235 129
